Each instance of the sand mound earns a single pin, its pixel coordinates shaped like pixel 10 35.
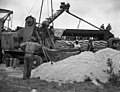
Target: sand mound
pixel 79 67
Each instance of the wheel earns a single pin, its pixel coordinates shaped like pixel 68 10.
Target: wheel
pixel 6 59
pixel 1 58
pixel 37 60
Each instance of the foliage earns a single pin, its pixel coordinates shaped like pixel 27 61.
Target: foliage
pixel 114 79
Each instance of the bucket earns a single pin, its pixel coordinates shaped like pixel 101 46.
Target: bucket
pixel 11 62
pixel 7 62
pixel 14 62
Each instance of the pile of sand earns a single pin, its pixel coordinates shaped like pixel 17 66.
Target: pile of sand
pixel 80 67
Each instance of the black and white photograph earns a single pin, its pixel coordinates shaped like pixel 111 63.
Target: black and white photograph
pixel 60 45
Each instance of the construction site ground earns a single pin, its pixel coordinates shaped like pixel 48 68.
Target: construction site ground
pixel 15 84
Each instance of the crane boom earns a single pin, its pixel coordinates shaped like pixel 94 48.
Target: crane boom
pixel 63 7
pixel 83 20
pixel 3 19
pixel 30 24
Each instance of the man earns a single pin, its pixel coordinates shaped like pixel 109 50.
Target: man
pixel 102 27
pixel 90 45
pixel 108 27
pixel 29 48
pixel 77 45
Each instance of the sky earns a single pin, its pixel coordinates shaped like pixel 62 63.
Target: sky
pixel 97 12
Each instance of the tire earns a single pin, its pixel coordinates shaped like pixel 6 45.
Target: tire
pixel 1 58
pixel 37 60
pixel 5 58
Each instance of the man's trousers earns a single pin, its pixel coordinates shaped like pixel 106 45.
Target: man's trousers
pixel 28 61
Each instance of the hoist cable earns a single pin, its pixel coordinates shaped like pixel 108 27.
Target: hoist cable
pixel 79 24
pixel 37 13
pixel 32 7
pixel 30 11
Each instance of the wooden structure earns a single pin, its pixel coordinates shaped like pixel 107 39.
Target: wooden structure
pixel 98 34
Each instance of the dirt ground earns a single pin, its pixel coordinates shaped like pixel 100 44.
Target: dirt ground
pixel 10 83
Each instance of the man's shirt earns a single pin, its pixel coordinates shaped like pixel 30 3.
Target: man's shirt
pixel 30 47
pixel 77 46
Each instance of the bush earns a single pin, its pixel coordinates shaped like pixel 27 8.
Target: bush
pixel 114 79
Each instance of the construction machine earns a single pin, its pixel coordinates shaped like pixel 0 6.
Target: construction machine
pixel 42 33
pixel 5 14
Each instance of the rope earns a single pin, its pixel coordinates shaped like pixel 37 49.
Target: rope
pixel 40 42
pixel 78 24
pixel 43 49
pixel 32 7
pixel 36 13
pixel 47 54
pixel 53 45
pixel 50 38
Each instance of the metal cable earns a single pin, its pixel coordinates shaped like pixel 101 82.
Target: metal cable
pixel 29 11
pixel 79 24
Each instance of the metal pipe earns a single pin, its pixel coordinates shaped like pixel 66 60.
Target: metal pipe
pixel 40 13
pixel 52 12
